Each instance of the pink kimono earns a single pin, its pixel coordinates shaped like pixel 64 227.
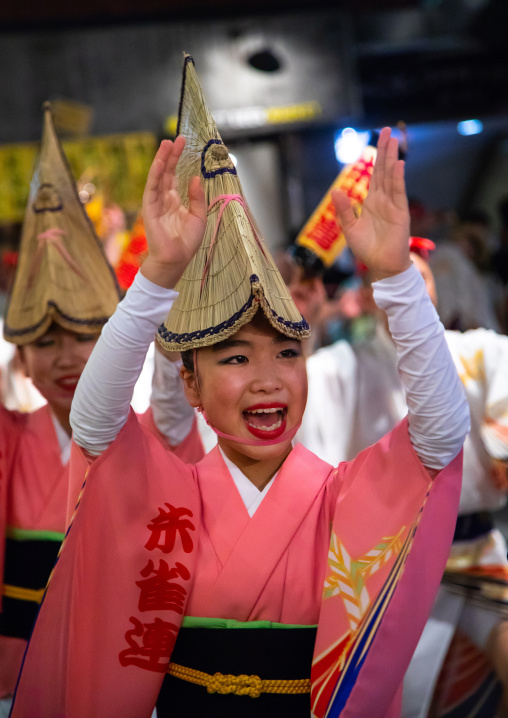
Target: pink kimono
pixel 359 550
pixel 33 500
pixel 34 488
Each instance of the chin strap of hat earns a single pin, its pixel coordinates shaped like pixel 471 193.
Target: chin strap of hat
pixel 287 436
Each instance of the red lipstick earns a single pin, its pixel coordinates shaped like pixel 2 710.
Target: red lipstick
pixel 68 383
pixel 266 420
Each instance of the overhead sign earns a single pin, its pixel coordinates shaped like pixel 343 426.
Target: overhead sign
pixel 250 118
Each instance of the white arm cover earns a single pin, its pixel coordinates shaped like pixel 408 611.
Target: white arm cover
pixel 438 410
pixel 172 413
pixel 101 403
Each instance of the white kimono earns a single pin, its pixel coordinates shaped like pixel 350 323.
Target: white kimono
pixel 355 396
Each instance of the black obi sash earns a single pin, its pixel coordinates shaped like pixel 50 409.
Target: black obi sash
pixel 28 565
pixel 270 653
pixel 472 526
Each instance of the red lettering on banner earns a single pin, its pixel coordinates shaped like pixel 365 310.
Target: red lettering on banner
pixel 167 525
pixel 356 181
pixel 324 233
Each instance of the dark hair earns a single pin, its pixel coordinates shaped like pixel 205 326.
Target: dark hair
pixel 188 360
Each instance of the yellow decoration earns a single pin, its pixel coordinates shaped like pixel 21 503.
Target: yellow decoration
pixel 242 685
pixel 23 594
pixel 473 368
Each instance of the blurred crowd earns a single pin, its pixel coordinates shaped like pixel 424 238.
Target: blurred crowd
pixel 469 264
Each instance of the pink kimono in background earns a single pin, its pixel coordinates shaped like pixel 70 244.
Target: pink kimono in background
pixel 359 550
pixel 33 500
pixel 34 488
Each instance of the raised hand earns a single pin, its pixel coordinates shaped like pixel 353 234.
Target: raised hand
pixel 173 231
pixel 380 236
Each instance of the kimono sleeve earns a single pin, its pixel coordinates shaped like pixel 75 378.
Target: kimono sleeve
pixel 102 642
pixel 190 450
pixel 391 535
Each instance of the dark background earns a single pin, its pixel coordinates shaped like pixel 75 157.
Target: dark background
pixel 366 63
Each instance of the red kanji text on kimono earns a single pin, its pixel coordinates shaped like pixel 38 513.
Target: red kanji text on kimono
pixel 167 525
pixel 158 591
pixel 154 650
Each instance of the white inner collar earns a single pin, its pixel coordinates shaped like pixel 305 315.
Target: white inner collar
pixel 250 494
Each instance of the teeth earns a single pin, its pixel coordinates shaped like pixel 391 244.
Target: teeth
pixel 266 428
pixel 264 411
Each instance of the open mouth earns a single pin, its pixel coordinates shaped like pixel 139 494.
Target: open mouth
pixel 68 383
pixel 266 421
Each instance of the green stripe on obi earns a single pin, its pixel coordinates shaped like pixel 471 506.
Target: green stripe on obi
pixel 203 622
pixel 29 535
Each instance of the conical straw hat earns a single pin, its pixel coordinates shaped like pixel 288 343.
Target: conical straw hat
pixel 322 233
pixel 63 275
pixel 232 273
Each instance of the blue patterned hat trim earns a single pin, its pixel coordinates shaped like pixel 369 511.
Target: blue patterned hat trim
pixel 171 337
pixel 222 170
pixel 8 332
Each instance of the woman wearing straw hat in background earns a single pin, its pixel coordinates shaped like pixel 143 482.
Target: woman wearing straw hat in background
pixel 258 543
pixel 64 292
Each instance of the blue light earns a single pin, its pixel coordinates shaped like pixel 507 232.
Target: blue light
pixel 470 127
pixel 349 145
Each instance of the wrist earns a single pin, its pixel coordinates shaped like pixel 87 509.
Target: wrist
pixel 161 273
pixel 378 275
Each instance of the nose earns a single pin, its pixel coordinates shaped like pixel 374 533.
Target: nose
pixel 267 378
pixel 67 354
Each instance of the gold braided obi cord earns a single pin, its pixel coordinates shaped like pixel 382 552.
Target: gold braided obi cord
pixel 242 685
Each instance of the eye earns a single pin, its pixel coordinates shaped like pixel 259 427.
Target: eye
pixel 86 337
pixel 290 353
pixel 45 342
pixel 236 359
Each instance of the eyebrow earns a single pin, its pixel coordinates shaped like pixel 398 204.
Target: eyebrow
pixel 282 339
pixel 233 343
pixel 230 344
